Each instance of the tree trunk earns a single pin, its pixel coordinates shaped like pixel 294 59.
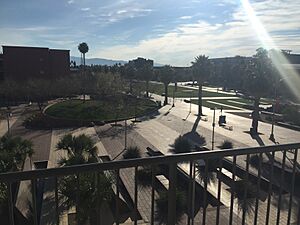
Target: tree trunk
pixel 175 86
pixel 130 85
pixel 166 94
pixel 83 61
pixel 147 88
pixel 200 99
pixel 83 56
pixel 255 116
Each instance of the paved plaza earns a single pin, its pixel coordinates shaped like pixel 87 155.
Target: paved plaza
pixel 157 131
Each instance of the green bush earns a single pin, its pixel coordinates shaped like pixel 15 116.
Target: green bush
pixel 292 114
pixel 162 206
pixel 226 145
pixel 144 176
pixel 181 145
pixel 132 152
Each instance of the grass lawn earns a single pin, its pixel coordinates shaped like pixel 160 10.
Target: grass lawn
pixel 239 102
pixel 102 109
pixel 208 104
pixel 182 92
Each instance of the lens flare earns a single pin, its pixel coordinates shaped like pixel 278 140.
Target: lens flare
pixel 286 70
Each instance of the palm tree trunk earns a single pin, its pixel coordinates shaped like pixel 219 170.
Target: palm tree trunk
pixel 255 116
pixel 130 85
pixel 84 75
pixel 166 94
pixel 200 99
pixel 83 61
pixel 147 88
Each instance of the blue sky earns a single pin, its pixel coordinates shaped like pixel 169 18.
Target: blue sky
pixel 170 32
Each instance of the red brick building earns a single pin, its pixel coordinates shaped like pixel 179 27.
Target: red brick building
pixel 21 63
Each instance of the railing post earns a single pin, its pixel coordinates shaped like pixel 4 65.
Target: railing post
pixel 56 201
pixel 172 194
pixel 33 191
pixel 152 193
pixel 10 205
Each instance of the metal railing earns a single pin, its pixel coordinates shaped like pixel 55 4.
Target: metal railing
pixel 272 174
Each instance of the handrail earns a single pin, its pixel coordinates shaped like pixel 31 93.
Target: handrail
pixel 119 164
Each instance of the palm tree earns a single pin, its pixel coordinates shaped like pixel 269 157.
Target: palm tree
pixel 147 74
pixel 80 150
pixel 201 69
pixel 13 152
pixel 83 48
pixel 166 74
pixel 94 188
pixel 258 82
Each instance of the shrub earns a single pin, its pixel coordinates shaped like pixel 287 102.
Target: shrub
pixel 162 206
pixel 181 145
pixel 248 203
pixel 144 176
pixel 226 145
pixel 132 152
pixel 254 161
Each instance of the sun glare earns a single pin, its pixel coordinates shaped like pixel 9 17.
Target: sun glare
pixel 288 73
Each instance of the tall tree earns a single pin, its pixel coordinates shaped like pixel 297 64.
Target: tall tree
pixel 147 74
pixel 258 82
pixel 129 73
pixel 201 70
pixel 83 48
pixel 166 74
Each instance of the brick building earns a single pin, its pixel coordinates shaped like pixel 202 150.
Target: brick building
pixel 21 63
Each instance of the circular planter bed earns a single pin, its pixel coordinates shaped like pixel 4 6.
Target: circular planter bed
pixel 75 112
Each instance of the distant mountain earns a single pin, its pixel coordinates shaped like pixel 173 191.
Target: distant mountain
pixel 99 61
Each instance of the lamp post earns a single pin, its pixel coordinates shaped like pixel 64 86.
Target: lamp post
pixel 272 138
pixel 125 144
pixel 173 98
pixel 213 131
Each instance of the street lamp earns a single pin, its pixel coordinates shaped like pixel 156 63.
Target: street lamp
pixel 272 138
pixel 213 131
pixel 173 98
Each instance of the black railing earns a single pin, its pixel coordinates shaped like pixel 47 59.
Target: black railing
pixel 258 185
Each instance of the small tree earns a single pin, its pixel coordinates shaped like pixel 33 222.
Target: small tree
pixel 201 70
pixel 13 152
pixel 166 75
pixel 240 188
pixel 94 188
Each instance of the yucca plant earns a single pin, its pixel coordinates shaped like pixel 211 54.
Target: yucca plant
pixel 132 152
pixel 162 206
pixel 226 145
pixel 181 145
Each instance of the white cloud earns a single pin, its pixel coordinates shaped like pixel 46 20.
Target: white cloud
pixel 185 17
pixel 70 1
pixel 85 9
pixel 236 37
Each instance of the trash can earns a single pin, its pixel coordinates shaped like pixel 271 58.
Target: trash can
pixel 222 119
